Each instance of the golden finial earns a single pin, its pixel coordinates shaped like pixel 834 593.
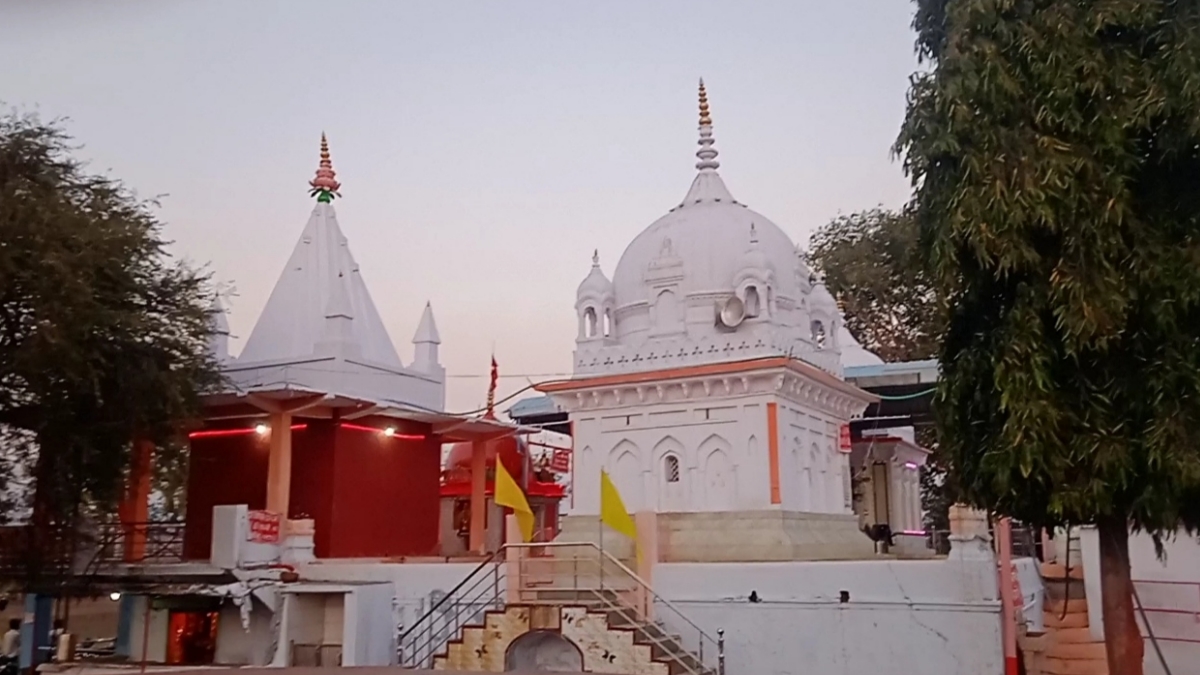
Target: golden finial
pixel 705 120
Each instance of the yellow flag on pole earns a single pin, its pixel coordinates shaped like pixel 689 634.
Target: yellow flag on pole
pixel 508 494
pixel 612 509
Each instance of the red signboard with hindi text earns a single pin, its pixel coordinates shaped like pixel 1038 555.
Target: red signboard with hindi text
pixel 264 527
pixel 844 438
pixel 560 461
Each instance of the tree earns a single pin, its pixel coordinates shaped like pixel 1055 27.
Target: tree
pixel 103 336
pixel 1054 147
pixel 872 265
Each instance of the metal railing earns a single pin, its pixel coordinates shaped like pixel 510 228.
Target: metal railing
pixel 92 548
pixel 141 543
pixel 467 602
pixel 564 573
pixel 1025 541
pixel 1176 607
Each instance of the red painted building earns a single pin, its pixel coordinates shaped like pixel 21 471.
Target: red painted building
pixel 321 425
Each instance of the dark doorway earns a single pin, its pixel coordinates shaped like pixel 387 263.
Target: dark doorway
pixel 543 651
pixel 191 637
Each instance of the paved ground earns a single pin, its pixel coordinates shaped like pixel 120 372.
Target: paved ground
pixel 129 669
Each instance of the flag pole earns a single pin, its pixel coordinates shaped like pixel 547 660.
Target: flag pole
pixel 600 521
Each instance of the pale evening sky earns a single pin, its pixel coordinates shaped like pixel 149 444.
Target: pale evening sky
pixel 484 148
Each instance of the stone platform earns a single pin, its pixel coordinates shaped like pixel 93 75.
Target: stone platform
pixel 737 536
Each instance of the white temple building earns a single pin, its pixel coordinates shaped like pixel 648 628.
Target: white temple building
pixel 708 372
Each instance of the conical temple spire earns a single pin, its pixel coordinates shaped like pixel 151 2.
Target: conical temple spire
pixel 427 331
pixel 325 185
pixel 707 153
pixel 338 306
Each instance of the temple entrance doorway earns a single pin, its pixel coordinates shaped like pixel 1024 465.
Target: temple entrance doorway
pixel 192 637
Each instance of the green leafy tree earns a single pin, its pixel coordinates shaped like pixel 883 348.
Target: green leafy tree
pixel 873 267
pixel 1055 150
pixel 103 336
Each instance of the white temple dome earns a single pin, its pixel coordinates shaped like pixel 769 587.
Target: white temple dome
pixel 710 281
pixel 707 239
pixel 710 238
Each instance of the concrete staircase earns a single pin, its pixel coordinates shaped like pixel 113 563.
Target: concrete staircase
pixel 570 598
pixel 666 647
pixel 610 640
pixel 1067 646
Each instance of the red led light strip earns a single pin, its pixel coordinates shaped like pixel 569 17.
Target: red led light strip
pixel 382 432
pixel 213 433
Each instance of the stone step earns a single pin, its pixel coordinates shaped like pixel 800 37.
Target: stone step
pixel 1053 666
pixel 1078 650
pixel 1072 620
pixel 1073 635
pixel 1072 606
pixel 589 597
pixel 1059 571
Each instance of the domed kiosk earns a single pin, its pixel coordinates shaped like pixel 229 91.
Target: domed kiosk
pixel 708 379
pixel 537 481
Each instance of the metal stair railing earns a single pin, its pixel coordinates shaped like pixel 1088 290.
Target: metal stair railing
pixel 417 646
pixel 593 573
pixel 478 592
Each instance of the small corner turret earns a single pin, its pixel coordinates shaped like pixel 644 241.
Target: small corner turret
pixel 426 341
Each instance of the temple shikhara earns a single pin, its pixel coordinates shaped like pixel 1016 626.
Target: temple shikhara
pixel 728 482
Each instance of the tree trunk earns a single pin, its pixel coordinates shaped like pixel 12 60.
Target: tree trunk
pixel 1122 637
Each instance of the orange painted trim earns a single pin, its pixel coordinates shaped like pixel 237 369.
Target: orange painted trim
pixel 727 368
pixel 773 450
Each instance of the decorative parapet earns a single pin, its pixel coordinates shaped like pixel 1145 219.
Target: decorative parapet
pixel 841 402
pixel 608 359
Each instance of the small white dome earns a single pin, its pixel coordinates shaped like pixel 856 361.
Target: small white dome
pixel 595 285
pixel 822 299
pixel 853 353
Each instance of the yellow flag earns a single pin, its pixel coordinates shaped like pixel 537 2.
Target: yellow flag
pixel 508 494
pixel 612 509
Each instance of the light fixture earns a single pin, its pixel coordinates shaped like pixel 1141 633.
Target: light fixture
pixel 261 429
pixel 114 596
pixel 390 432
pixel 910 466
